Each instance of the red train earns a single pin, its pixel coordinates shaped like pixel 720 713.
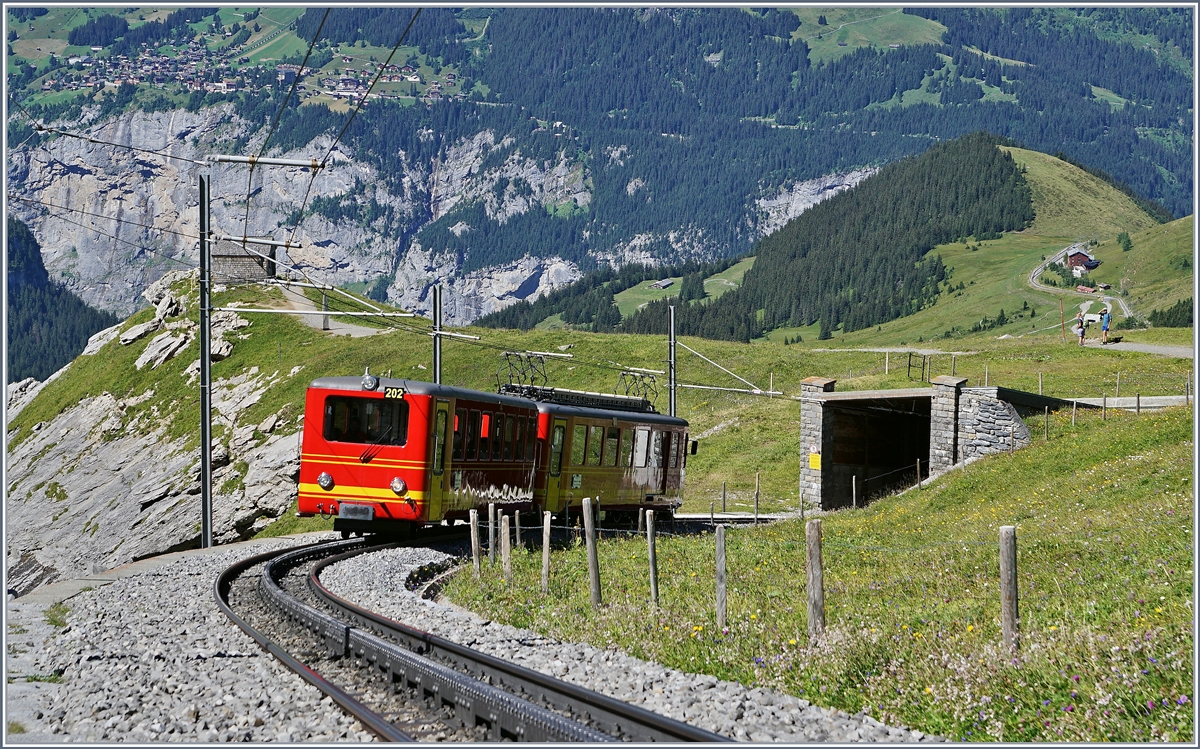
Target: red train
pixel 382 454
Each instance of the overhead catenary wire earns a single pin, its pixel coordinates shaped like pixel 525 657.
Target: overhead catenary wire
pixel 275 123
pixel 148 227
pixel 353 114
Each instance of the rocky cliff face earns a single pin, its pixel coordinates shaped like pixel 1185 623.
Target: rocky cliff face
pixel 103 483
pixel 797 198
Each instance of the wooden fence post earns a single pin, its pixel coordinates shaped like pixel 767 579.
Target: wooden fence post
pixel 918 473
pixel 589 529
pixel 985 375
pixel 1008 585
pixel 641 525
pixel 1104 407
pixel 1074 408
pixel 492 533
pixel 816 581
pixel 506 548
pixel 1138 406
pixel 651 543
pixel 517 529
pixel 953 364
pixel 720 577
pixel 910 365
pixel 1117 392
pixel 1012 437
pixel 712 513
pixel 475 540
pixel 887 362
pixel 1040 383
pixel 722 496
pixel 546 553
pixel 854 491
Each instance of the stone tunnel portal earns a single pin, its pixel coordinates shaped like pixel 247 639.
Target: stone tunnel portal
pixel 876 446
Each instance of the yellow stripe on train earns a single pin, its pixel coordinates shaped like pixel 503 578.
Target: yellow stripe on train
pixel 340 493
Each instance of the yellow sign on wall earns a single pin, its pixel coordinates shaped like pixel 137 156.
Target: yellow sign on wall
pixel 814 461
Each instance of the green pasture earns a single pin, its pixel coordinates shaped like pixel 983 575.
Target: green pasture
pixel 632 299
pixel 1157 272
pixel 1103 513
pixel 861 27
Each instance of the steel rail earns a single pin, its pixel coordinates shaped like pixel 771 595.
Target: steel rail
pixel 474 701
pixel 371 720
pixel 619 719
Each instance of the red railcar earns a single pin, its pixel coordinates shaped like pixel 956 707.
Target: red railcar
pixel 383 454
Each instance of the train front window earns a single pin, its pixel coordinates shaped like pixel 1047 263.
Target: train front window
pixel 611 443
pixel 377 421
pixel 530 438
pixel 595 441
pixel 674 448
pixel 578 441
pixel 460 424
pixel 472 435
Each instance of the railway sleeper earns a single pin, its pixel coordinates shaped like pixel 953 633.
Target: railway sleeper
pixel 475 703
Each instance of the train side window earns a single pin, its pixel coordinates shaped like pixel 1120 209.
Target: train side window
pixel 485 440
pixel 556 450
pixel 460 425
pixel 595 442
pixel 439 443
pixel 519 447
pixel 641 445
pixel 626 448
pixel 497 436
pixel 674 449
pixel 472 435
pixel 531 438
pixel 611 446
pixel 578 441
pixel 656 449
pixel 509 428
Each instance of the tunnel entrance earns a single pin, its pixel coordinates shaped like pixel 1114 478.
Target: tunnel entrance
pixel 876 445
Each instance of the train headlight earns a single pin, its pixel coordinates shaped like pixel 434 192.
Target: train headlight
pixel 399 486
pixel 370 382
pixel 325 481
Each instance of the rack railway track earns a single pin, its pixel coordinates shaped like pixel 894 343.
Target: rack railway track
pixel 414 685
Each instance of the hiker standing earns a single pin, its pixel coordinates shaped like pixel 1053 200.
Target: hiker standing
pixel 1079 326
pixel 1105 319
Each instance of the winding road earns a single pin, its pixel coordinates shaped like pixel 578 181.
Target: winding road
pixel 1111 301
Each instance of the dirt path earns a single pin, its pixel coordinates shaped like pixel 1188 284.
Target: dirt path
pixel 297 300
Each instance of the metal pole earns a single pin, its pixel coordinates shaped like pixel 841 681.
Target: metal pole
pixel 720 577
pixel 437 339
pixel 671 359
pixel 887 362
pixel 325 308
pixel 854 492
pixel 205 370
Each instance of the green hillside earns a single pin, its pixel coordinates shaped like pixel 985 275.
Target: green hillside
pixel 1069 205
pixel 1105 565
pixel 744 434
pixel 1157 272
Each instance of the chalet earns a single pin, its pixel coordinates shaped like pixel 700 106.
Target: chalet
pixel 663 284
pixel 1081 259
pixel 1085 289
pixel 285 76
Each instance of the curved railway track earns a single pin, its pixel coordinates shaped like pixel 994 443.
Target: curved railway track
pixel 413 679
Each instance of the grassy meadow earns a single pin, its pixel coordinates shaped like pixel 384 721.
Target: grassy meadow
pixel 1103 514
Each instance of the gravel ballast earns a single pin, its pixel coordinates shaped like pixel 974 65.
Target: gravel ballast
pixel 150 658
pixel 376 582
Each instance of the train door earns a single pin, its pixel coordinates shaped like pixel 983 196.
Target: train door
pixel 437 468
pixel 558 435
